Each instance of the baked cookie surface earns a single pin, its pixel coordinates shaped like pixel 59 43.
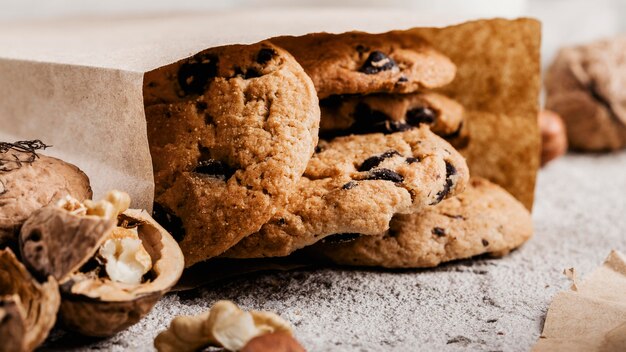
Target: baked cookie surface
pixel 228 147
pixel 356 184
pixel 389 113
pixel 363 63
pixel 33 185
pixel 483 219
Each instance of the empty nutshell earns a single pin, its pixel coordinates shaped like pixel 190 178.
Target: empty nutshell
pixel 112 263
pixel 553 136
pixel 28 308
pixel 34 182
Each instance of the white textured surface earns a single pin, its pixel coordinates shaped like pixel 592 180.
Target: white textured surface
pixel 481 305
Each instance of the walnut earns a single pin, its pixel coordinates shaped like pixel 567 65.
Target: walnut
pixel 25 189
pixel 224 325
pixel 126 260
pixel 586 85
pixel 553 137
pixel 273 342
pixel 28 308
pixel 112 263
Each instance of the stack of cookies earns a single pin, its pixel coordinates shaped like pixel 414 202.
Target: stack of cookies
pixel 335 144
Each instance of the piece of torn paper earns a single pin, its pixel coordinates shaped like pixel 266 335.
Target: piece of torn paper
pixel 591 316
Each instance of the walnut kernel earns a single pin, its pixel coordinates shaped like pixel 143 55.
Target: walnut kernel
pixel 224 325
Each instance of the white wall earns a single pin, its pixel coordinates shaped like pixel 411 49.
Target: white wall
pixel 565 21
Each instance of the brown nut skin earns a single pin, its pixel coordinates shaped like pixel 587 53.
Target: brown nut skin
pixel 273 342
pixel 32 186
pixel 553 136
pixel 95 314
pixel 28 308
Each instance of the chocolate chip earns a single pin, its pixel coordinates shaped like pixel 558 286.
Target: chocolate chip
pixel 265 55
pixel 385 175
pixel 452 216
pixel 416 117
pixel 194 75
pixel 281 221
pixel 361 49
pixel 201 106
pixel 403 79
pixel 450 171
pixel 438 231
pixel 377 62
pixel 341 238
pixel 368 120
pixel 172 223
pixel 214 168
pixel 375 160
pixel 412 160
pixel 251 73
pixel 485 242
pixel 349 185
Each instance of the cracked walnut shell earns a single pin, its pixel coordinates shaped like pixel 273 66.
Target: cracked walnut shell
pixel 28 308
pixel 98 282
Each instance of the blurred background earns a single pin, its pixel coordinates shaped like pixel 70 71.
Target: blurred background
pixel 565 21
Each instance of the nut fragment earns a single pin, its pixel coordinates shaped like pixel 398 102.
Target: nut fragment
pixel 274 342
pixel 27 308
pixel 126 260
pixel 224 325
pixel 112 267
pixel 553 136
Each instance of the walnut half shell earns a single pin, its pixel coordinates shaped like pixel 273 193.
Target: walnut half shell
pixel 65 241
pixel 28 308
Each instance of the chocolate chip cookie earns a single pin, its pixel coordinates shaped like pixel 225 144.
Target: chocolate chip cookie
pixel 240 125
pixel 356 184
pixel 363 63
pixel 483 219
pixel 389 113
pixel 31 181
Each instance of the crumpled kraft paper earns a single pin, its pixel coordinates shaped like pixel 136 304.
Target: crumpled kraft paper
pixel 591 316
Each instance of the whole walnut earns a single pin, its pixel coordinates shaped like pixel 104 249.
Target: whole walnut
pixel 586 86
pixel 553 136
pixel 28 182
